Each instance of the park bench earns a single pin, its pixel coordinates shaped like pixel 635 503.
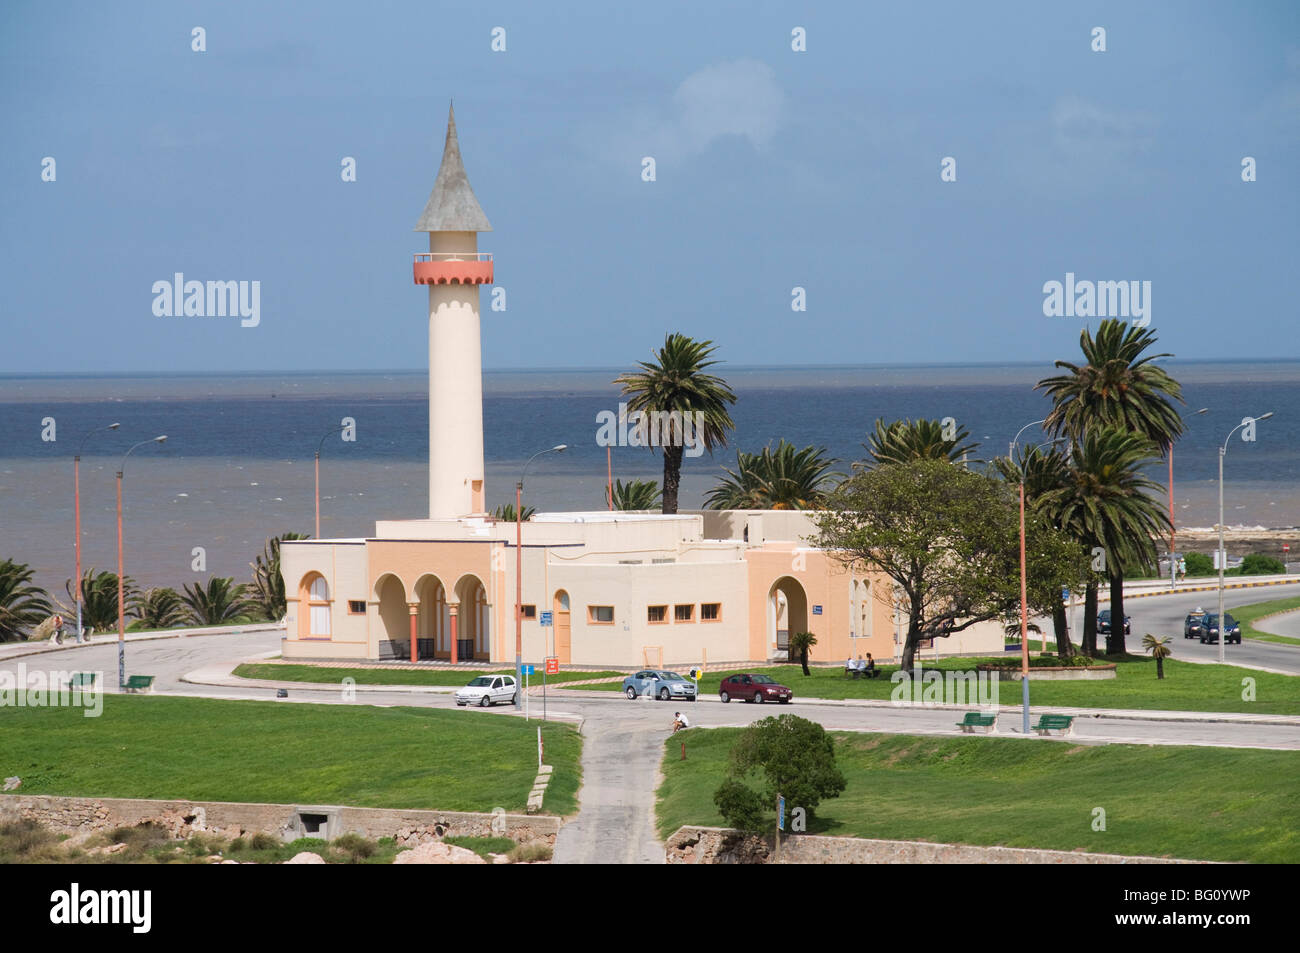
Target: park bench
pixel 85 681
pixel 139 683
pixel 975 720
pixel 1049 723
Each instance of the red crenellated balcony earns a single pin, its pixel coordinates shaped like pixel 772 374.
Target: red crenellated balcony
pixel 453 268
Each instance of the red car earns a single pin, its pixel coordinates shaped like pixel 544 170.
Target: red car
pixel 754 688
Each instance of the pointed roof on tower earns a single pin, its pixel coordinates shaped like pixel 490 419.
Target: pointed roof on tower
pixel 452 206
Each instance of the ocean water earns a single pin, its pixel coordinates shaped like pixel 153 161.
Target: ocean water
pixel 237 466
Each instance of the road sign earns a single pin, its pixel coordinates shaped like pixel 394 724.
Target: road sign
pixel 817 610
pixel 552 666
pixel 546 619
pixel 526 669
pixel 780 813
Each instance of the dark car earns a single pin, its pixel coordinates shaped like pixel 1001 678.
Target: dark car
pixel 1192 624
pixel 1210 629
pixel 754 688
pixel 1103 623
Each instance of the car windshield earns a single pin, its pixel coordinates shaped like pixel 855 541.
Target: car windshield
pixel 763 680
pixel 1212 618
pixel 671 677
pixel 1229 619
pixel 482 681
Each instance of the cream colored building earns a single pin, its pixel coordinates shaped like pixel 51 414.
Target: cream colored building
pixel 624 590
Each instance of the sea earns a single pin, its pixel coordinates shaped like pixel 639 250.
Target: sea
pixel 237 464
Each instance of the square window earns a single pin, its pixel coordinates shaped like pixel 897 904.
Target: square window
pixel 684 613
pixel 710 611
pixel 528 612
pixel 656 614
pixel 356 606
pixel 601 615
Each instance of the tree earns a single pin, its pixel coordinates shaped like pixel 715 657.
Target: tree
pixel 905 440
pixel 266 593
pixel 1123 390
pixel 948 537
pixel 220 602
pixel 23 606
pixel 801 644
pixel 675 383
pixel 506 513
pixel 1261 564
pixel 159 608
pixel 781 479
pixel 795 756
pixel 1159 649
pixel 634 495
pixel 99 599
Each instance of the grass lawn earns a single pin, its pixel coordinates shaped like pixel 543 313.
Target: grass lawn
pixel 394 676
pixel 1226 804
pixel 1248 614
pixel 1187 686
pixel 213 750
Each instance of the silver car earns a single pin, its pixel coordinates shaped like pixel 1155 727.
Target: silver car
pixel 487 690
pixel 660 684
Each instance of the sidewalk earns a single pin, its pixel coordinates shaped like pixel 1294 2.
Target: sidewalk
pixel 12 650
pixel 1161 587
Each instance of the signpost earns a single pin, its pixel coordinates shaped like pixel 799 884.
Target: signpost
pixel 780 824
pixel 526 670
pixel 546 618
pixel 552 668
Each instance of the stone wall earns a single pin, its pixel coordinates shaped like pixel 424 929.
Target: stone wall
pixel 79 816
pixel 715 845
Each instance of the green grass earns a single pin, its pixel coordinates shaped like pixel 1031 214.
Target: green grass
pixel 214 750
pixel 394 676
pixel 1187 686
pixel 1226 804
pixel 1246 615
pixel 483 845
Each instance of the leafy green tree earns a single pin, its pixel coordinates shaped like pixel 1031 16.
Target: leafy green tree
pixel 796 759
pixel 159 608
pixel 634 495
pixel 220 602
pixel 675 381
pixel 266 593
pixel 904 441
pixel 781 479
pixel 99 599
pixel 23 606
pixel 506 513
pixel 801 644
pixel 1199 564
pixel 1159 649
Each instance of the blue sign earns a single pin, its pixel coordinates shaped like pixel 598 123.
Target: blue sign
pixel 780 813
pixel 526 669
pixel 817 610
pixel 546 618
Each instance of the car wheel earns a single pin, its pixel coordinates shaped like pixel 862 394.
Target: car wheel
pixel 485 701
pixel 631 692
pixel 514 699
pixel 725 697
pixel 460 704
pixel 758 698
pixel 664 694
pixel 785 701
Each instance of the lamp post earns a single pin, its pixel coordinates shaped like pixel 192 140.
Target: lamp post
pixel 121 606
pixel 1024 610
pixel 1173 569
pixel 76 505
pixel 324 437
pixel 519 570
pixel 1223 556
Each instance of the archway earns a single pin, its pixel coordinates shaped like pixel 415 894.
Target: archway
pixel 394 617
pixel 560 619
pixel 434 626
pixel 787 612
pixel 473 631
pixel 313 607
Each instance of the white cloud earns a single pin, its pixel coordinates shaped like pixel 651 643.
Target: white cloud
pixel 1086 129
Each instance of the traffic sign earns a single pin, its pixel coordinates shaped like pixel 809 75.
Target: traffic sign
pixel 817 610
pixel 546 619
pixel 526 669
pixel 780 813
pixel 552 666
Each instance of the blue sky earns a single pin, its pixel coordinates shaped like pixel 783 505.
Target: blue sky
pixel 776 169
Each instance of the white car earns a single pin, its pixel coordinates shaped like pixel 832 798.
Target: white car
pixel 487 690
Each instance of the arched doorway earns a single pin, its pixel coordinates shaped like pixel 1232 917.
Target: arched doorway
pixel 787 611
pixel 563 642
pixel 394 617
pixel 434 626
pixel 313 607
pixel 473 630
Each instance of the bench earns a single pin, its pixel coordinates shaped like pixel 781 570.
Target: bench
pixel 82 680
pixel 975 720
pixel 1049 723
pixel 139 683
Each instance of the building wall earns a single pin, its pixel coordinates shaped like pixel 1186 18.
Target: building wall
pixel 343 564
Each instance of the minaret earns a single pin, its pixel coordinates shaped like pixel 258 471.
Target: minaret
pixel 453 269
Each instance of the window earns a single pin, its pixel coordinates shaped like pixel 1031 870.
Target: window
pixel 600 615
pixel 528 612
pixel 710 611
pixel 656 614
pixel 357 606
pixel 684 613
pixel 318 601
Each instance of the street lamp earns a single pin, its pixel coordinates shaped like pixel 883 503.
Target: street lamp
pixel 1173 569
pixel 121 605
pixel 326 436
pixel 76 494
pixel 519 571
pixel 1223 556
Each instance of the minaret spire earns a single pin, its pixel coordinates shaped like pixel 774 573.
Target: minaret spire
pixel 452 206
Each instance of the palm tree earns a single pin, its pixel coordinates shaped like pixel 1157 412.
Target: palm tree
pixel 801 643
pixel 1159 649
pixel 159 608
pixel 675 382
pixel 784 479
pixel 905 440
pixel 1119 388
pixel 1106 503
pixel 99 599
pixel 506 513
pixel 220 602
pixel 634 495
pixel 22 605
pixel 266 593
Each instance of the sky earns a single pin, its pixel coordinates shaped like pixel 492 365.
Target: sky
pixel 775 169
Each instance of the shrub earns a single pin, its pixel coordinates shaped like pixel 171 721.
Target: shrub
pixel 263 841
pixel 1199 564
pixel 356 847
pixel 529 853
pixel 1260 564
pixel 742 807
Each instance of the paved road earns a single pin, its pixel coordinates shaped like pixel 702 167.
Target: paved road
pixel 1288 624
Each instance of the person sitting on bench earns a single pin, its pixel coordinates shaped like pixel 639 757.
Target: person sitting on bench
pixel 869 669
